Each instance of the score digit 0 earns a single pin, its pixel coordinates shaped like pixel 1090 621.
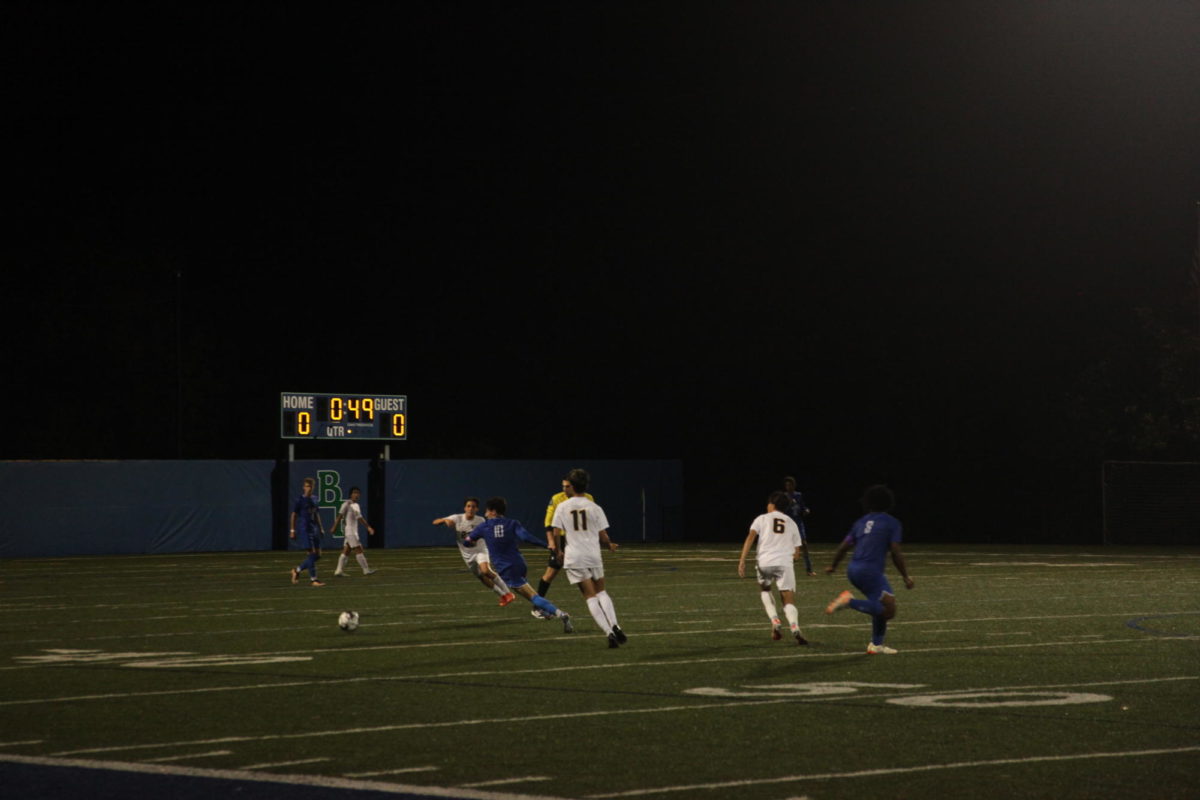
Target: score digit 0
pixel 397 425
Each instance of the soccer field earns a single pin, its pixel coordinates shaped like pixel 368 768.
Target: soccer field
pixel 1022 672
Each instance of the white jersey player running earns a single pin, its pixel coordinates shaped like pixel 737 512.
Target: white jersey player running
pixel 586 528
pixel 475 554
pixel 779 545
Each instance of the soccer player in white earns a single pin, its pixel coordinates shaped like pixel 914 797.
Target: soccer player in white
pixel 779 545
pixel 586 528
pixel 352 514
pixel 475 555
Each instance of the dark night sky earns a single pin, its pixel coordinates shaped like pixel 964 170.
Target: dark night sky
pixel 855 241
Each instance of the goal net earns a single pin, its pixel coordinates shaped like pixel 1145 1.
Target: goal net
pixel 1151 502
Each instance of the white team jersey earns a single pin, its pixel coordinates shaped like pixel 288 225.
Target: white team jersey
pixel 582 520
pixel 463 526
pixel 778 538
pixel 351 514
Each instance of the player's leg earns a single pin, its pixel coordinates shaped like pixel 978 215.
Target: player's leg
pixel 543 605
pixel 768 602
pixel 548 576
pixel 606 604
pixel 872 584
pixel 361 558
pixel 804 550
pixel 315 555
pixel 587 587
pixel 341 565
pixel 493 580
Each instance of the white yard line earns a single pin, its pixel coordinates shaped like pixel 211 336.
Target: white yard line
pixel 505 781
pixel 321 781
pixel 872 773
pixel 285 763
pixel 209 754
pixel 400 771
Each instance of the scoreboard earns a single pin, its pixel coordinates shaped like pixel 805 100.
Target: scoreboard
pixel 305 415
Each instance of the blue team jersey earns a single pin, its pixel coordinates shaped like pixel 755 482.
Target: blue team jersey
pixel 501 535
pixel 796 508
pixel 872 537
pixel 306 515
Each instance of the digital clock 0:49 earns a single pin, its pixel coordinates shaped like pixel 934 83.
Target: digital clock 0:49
pixel 307 415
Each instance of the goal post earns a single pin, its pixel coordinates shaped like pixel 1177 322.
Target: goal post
pixel 1151 502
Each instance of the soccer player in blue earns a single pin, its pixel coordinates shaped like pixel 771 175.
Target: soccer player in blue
pixel 307 514
pixel 797 510
pixel 873 537
pixel 501 535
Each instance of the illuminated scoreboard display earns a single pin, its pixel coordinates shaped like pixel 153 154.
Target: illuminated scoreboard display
pixel 304 415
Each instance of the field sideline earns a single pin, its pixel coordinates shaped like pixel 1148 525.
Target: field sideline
pixel 1060 672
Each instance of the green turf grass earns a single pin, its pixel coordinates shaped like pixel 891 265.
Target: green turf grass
pixel 217 661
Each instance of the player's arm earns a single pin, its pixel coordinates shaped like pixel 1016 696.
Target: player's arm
pixel 901 565
pixel 292 525
pixel 750 537
pixel 843 548
pixel 526 536
pixel 607 542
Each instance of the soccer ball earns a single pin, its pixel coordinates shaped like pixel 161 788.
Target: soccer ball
pixel 348 620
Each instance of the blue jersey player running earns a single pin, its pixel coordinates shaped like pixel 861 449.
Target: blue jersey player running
pixel 501 535
pixel 873 537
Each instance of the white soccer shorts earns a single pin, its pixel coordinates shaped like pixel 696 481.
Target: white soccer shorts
pixel 783 576
pixel 579 574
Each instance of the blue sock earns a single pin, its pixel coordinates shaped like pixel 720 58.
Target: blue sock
pixel 878 629
pixel 310 564
pixel 544 605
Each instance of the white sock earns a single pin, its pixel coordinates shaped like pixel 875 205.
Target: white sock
pixel 769 604
pixel 597 610
pixel 607 604
pixel 793 616
pixel 361 558
pixel 341 562
pixel 499 586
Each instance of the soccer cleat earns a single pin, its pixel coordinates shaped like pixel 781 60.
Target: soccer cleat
pixel 776 631
pixel 800 640
pixel 880 649
pixel 317 583
pixel 369 572
pixel 537 614
pixel 567 626
pixel 295 574
pixel 841 601
pixel 613 644
pixel 340 574
pixel 506 599
pixel 620 634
